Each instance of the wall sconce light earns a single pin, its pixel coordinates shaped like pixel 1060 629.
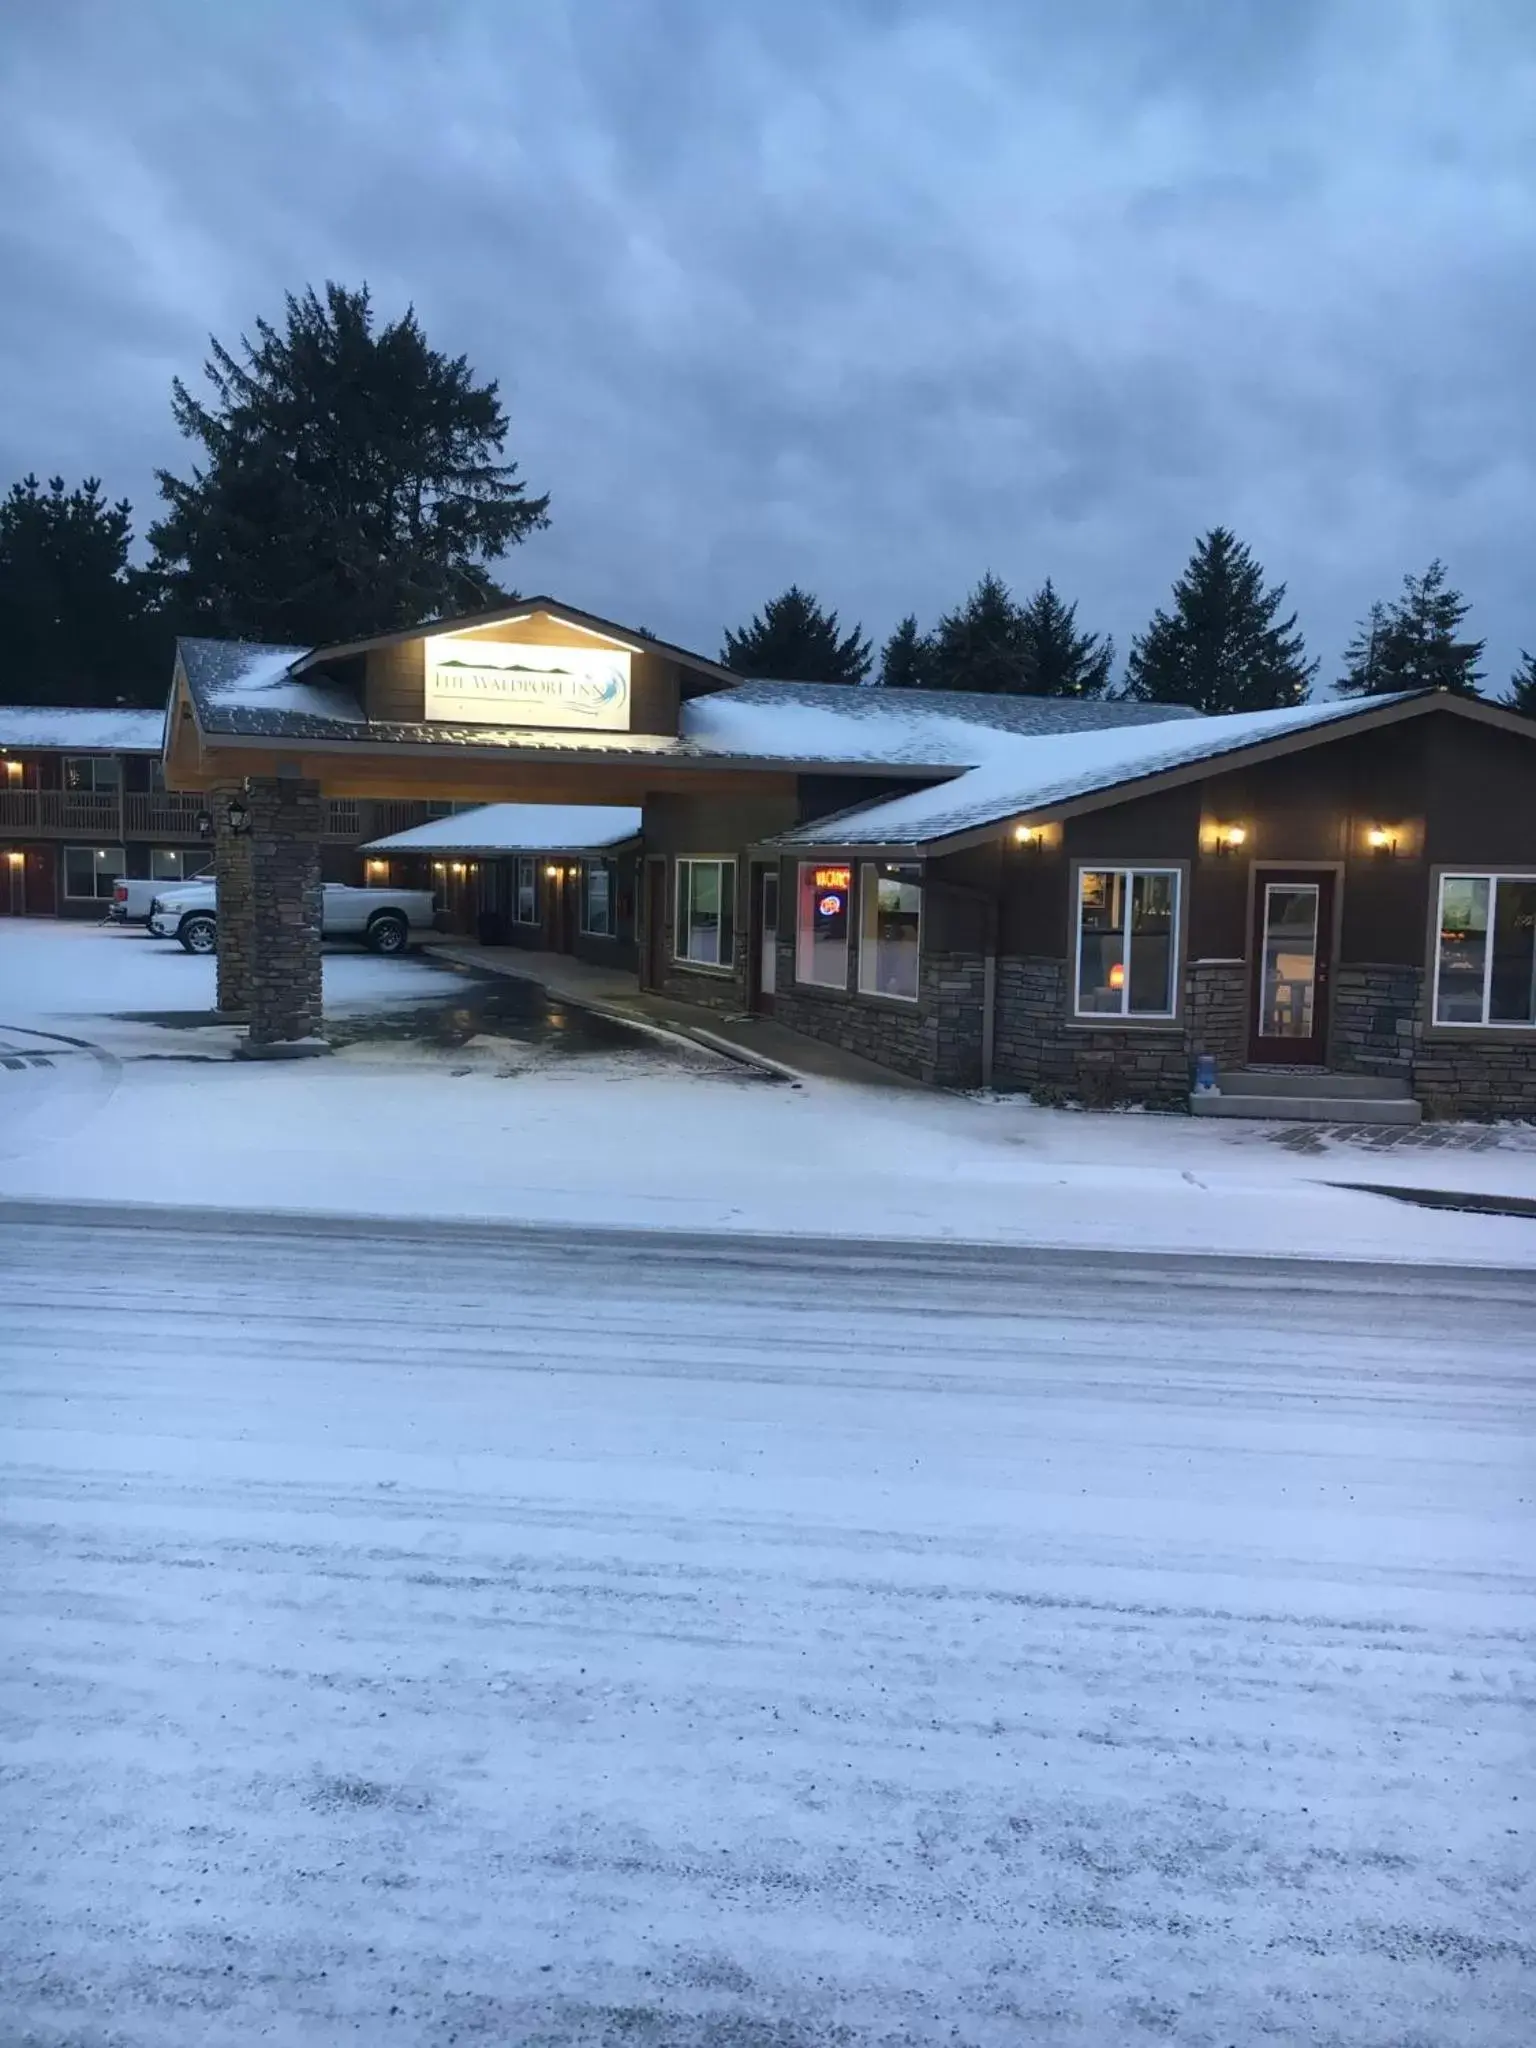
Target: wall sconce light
pixel 13 771
pixel 1027 835
pixel 237 814
pixel 1230 837
pixel 378 870
pixel 1381 841
pixel 205 824
pixel 16 858
pixel 553 873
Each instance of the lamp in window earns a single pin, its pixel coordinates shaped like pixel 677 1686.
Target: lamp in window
pixel 1230 837
pixel 1117 975
pixel 1382 841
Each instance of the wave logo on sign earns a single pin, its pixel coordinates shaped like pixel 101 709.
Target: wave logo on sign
pixel 516 683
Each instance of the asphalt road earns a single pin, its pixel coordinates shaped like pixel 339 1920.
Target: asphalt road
pixel 433 1635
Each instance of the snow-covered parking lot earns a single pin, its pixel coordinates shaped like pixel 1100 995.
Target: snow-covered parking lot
pixel 429 1636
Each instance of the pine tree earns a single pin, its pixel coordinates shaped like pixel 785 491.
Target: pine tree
pixel 906 662
pixel 792 640
pixel 1058 661
pixel 352 481
pixel 76 626
pixel 1522 686
pixel 979 646
pixel 1221 648
pixel 1414 644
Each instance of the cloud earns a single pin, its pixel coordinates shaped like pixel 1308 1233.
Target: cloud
pixel 871 297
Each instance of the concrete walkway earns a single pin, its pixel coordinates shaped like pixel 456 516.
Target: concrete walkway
pixel 612 992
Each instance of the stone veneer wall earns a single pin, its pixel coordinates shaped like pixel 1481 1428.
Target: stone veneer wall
pixel 1039 1048
pixel 285 999
pixel 1380 1026
pixel 937 1039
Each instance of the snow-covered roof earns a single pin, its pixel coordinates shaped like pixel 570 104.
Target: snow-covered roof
pixel 81 728
pixel 232 678
pixel 1022 774
pixel 839 722
pixel 517 828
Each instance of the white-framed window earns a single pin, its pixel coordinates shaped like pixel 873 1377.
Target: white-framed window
pixel 823 919
pixel 527 910
pixel 1485 951
pixel 890 928
pixel 1126 954
pixel 705 932
pixel 171 864
pixel 92 872
pixel 597 898
pixel 91 772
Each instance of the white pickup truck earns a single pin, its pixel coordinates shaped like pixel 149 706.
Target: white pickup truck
pixel 386 920
pixel 133 899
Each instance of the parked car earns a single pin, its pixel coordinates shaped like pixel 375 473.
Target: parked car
pixel 133 900
pixel 386 920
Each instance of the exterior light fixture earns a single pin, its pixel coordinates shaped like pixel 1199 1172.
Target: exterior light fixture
pixel 553 873
pixel 1027 835
pixel 237 814
pixel 13 770
pixel 205 824
pixel 1230 837
pixel 1381 841
pixel 16 857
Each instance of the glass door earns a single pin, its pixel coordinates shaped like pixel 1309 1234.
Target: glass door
pixel 1293 929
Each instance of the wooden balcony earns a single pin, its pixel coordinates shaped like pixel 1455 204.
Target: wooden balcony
pixel 162 815
pixel 94 815
pixel 109 817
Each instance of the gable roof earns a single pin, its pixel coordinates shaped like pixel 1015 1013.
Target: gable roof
pixel 1050 775
pixel 516 609
pixel 251 690
pixel 517 828
pixel 81 728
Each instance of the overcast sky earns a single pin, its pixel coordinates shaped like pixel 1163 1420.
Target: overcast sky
pixel 866 296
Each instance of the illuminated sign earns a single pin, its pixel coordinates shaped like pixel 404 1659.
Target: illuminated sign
pixel 830 906
pixel 506 682
pixel 834 878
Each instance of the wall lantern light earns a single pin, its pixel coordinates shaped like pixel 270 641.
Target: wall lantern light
pixel 16 858
pixel 237 814
pixel 13 771
pixel 1381 841
pixel 1027 835
pixel 553 873
pixel 1230 837
pixel 205 824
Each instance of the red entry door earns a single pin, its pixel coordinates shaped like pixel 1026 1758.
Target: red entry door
pixel 1293 962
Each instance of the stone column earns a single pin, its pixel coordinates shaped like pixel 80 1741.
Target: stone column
pixel 232 874
pixel 285 1004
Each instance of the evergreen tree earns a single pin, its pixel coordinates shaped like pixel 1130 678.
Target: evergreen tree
pixel 1522 686
pixel 1415 643
pixel 1222 647
pixel 979 646
pixel 1366 656
pixel 76 626
pixel 906 662
pixel 1058 661
pixel 352 481
pixel 792 640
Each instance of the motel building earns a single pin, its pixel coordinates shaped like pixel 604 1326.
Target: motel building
pixel 84 803
pixel 1097 900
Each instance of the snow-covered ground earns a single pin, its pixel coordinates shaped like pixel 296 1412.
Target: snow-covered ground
pixel 441 1638
pixel 502 1129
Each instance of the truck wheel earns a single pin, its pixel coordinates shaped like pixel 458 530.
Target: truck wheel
pixel 199 932
pixel 387 932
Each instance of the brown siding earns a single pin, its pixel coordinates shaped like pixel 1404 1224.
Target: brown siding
pixel 395 683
